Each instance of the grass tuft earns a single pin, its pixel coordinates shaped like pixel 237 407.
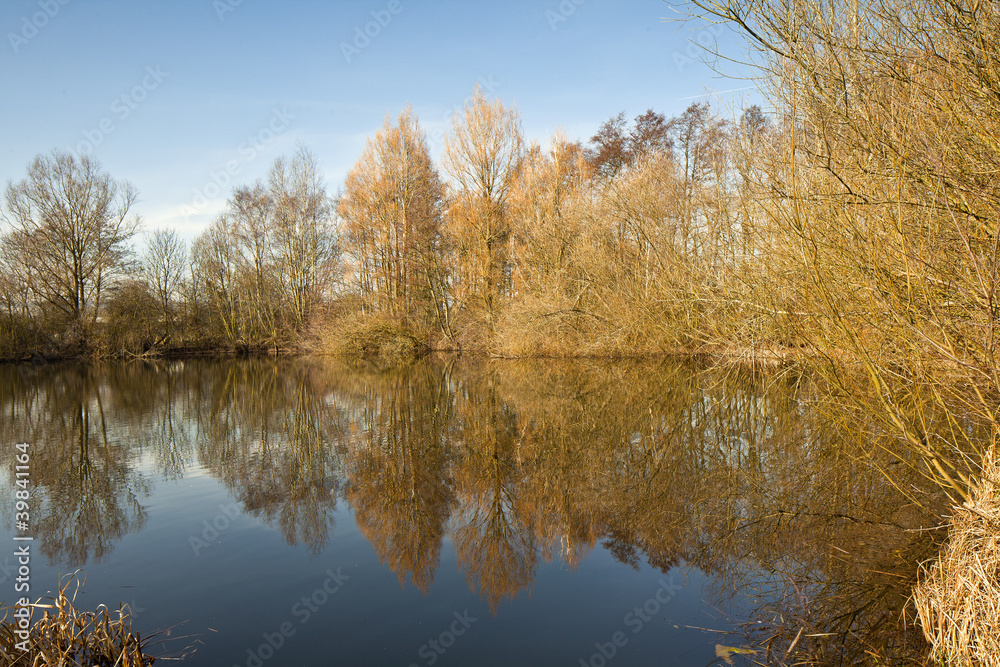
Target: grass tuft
pixel 958 596
pixel 67 637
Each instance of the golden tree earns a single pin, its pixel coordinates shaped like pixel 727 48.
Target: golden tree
pixel 482 156
pixel 391 210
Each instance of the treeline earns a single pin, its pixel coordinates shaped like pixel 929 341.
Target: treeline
pixel 632 243
pixel 619 246
pixel 73 284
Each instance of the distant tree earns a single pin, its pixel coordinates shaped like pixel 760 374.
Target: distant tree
pixel 215 269
pixel 271 257
pixel 609 147
pixel 753 122
pixel 696 135
pixel 749 138
pixel 545 230
pixel 699 142
pixel 131 320
pixel 71 227
pixel 303 234
pixel 15 278
pixel 616 145
pixel 250 219
pixel 164 264
pixel 650 133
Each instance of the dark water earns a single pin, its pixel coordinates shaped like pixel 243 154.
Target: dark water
pixel 461 513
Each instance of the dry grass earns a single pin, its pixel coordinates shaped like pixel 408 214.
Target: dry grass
pixel 67 637
pixel 958 597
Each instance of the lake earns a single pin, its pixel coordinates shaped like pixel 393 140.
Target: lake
pixel 464 512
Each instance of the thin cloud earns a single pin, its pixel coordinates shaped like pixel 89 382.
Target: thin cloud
pixel 716 92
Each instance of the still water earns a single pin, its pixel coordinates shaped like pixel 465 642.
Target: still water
pixel 455 512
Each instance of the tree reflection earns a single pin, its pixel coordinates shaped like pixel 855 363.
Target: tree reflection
pixel 738 474
pixel 398 467
pixel 267 433
pixel 86 493
pixel 492 538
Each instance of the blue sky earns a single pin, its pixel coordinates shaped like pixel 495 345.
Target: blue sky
pixel 186 98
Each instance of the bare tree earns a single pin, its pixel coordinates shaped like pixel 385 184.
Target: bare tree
pixel 609 147
pixel 71 226
pixel 215 272
pixel 272 256
pixel 164 264
pixel 15 279
pixel 304 235
pixel 250 217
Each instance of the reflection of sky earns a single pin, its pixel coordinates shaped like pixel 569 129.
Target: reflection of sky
pixel 248 581
pixel 224 79
pixel 230 577
pixel 246 509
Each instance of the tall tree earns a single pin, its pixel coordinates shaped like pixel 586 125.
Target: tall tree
pixel 392 209
pixel 272 256
pixel 545 231
pixel 304 234
pixel 699 141
pixel 251 218
pixel 616 146
pixel 609 147
pixel 71 226
pixel 215 270
pixel 483 155
pixel 650 133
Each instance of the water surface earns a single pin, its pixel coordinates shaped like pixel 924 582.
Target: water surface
pixel 308 512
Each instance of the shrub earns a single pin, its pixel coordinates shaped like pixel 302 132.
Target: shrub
pixel 373 336
pixel 132 323
pixel 20 337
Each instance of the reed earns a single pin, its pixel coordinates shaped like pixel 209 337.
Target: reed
pixel 68 637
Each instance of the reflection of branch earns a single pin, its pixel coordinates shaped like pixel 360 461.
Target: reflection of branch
pixel 663 462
